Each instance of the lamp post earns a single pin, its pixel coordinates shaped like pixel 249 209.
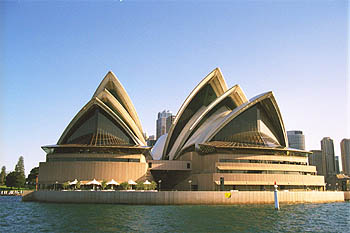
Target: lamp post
pixel 159 182
pixel 56 185
pixel 190 182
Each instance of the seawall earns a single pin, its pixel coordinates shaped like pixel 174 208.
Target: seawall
pixel 184 197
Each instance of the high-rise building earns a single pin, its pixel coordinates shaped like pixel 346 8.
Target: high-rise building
pixel 337 170
pixel 164 121
pixel 296 139
pixel 328 157
pixel 315 159
pixel 345 155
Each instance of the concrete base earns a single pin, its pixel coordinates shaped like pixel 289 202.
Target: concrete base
pixel 183 197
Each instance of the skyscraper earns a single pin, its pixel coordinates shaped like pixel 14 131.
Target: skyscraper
pixel 316 159
pixel 345 155
pixel 328 157
pixel 296 139
pixel 337 170
pixel 164 122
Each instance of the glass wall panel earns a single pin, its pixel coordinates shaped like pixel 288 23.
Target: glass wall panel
pixel 251 127
pixel 84 130
pixel 97 128
pixel 110 132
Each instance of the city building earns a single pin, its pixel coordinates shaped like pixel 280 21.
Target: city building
pixel 219 140
pixel 164 121
pixel 337 170
pixel 327 148
pixel 316 159
pixel 296 139
pixel 345 155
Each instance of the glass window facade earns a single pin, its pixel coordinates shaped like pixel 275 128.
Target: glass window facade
pixel 260 161
pixel 251 127
pixel 264 172
pixel 97 128
pixel 89 159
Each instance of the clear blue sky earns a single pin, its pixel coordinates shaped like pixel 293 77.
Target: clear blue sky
pixel 54 54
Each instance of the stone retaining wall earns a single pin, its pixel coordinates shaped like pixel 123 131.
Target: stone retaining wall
pixel 182 197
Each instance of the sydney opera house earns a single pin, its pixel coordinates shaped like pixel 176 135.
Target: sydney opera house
pixel 219 140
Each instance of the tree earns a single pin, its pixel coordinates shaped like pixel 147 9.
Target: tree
pixel 153 185
pixel 2 175
pixel 65 185
pixel 20 167
pixel 124 185
pixel 15 179
pixel 31 180
pixel 78 185
pixel 140 186
pixel 104 184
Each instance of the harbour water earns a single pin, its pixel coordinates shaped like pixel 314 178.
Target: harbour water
pixel 18 216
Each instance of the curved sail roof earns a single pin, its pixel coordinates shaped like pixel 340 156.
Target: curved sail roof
pixel 264 123
pixel 107 119
pixel 228 101
pixel 113 85
pixel 256 122
pixel 210 88
pixel 107 98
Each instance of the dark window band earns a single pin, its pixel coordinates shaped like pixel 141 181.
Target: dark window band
pixel 69 159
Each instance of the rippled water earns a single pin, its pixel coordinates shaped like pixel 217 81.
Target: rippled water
pixel 17 216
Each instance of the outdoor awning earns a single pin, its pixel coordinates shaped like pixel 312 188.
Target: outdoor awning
pixel 73 182
pixel 112 182
pixel 131 182
pixel 146 182
pixel 95 182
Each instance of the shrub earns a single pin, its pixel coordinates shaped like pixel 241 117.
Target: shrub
pixel 140 186
pixel 104 184
pixel 153 185
pixel 78 185
pixel 124 185
pixel 65 185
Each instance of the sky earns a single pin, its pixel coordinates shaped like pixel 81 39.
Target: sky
pixel 54 54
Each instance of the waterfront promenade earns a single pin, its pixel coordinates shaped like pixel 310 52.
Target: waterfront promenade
pixel 184 197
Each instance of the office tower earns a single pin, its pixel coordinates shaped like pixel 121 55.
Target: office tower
pixel 327 148
pixel 315 159
pixel 345 155
pixel 296 139
pixel 337 170
pixel 164 122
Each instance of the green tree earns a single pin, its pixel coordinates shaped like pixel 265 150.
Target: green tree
pixel 153 185
pixel 78 185
pixel 140 186
pixel 15 179
pixel 124 185
pixel 31 180
pixel 2 175
pixel 104 184
pixel 65 185
pixel 20 167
